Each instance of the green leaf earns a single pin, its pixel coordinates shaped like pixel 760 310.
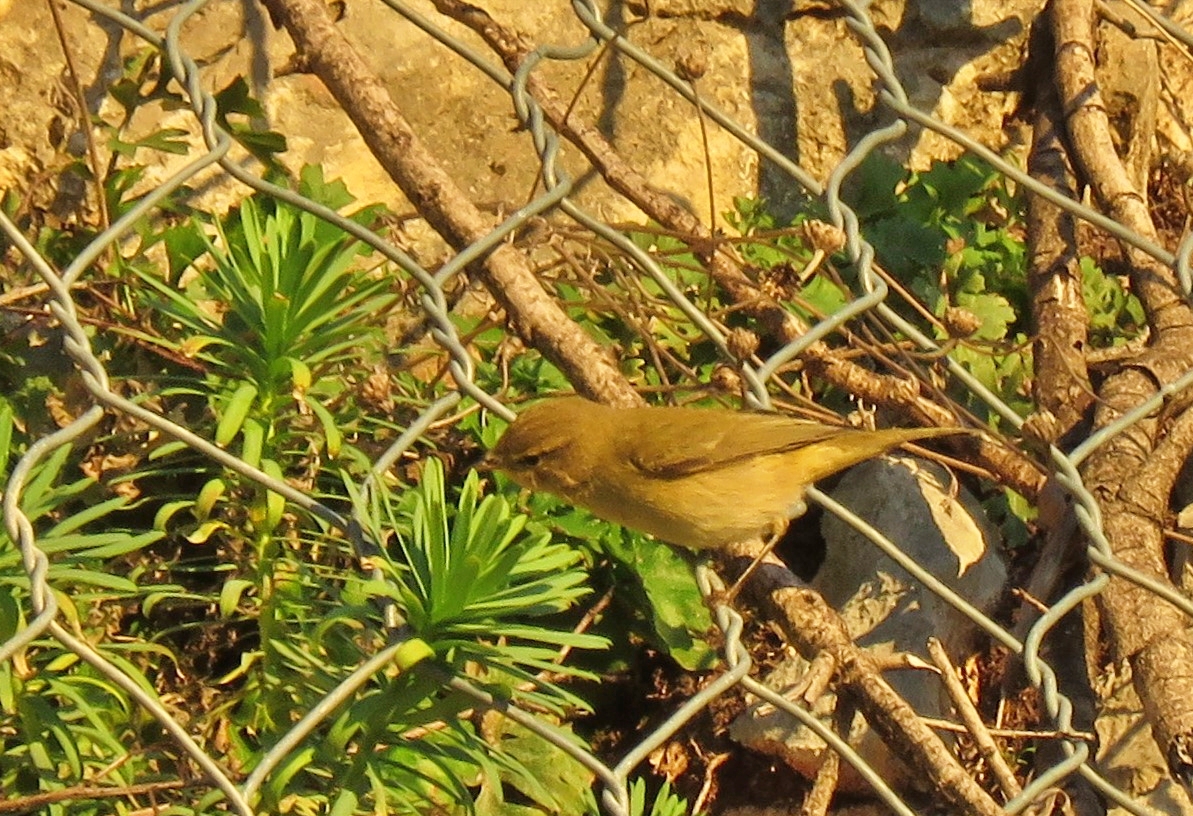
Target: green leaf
pixel 824 295
pixel 679 616
pixel 278 781
pixel 93 578
pixel 331 194
pixel 236 98
pixel 666 803
pixel 235 411
pixel 345 804
pixel 471 573
pixel 331 432
pixel 209 494
pixel 546 775
pixel 167 140
pixel 99 545
pixel 85 516
pixel 231 593
pixel 412 652
pixel 161 519
pixel 6 426
pixel 254 442
pixel 994 311
pixel 275 503
pixel 205 530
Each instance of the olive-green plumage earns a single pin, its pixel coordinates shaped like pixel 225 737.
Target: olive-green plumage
pixel 699 478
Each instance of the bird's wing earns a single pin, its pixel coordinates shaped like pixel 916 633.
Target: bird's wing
pixel 687 445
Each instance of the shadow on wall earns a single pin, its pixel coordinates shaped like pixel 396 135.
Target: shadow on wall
pixel 934 40
pixel 772 94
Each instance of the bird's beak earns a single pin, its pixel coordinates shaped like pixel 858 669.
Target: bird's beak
pixel 487 464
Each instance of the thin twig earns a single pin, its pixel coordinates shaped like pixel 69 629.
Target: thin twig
pixel 706 789
pixel 76 87
pixel 35 802
pixel 969 715
pixel 817 802
pixel 1012 733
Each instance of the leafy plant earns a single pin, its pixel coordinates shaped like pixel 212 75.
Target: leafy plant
pixel 277 316
pixel 147 82
pixel 1116 315
pixel 480 595
pixel 479 573
pixel 954 235
pixel 665 803
pixel 62 723
pixel 280 304
pixel 779 253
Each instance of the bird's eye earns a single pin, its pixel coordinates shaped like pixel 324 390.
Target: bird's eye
pixel 528 460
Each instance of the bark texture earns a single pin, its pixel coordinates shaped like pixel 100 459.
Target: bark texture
pixel 1133 474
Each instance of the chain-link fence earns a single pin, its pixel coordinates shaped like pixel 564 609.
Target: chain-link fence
pixel 657 278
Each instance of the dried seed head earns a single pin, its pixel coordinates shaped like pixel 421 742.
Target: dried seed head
pixel 742 343
pixel 725 378
pixel 691 60
pixel 961 322
pixel 824 236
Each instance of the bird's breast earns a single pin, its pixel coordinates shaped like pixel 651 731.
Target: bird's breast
pixel 702 510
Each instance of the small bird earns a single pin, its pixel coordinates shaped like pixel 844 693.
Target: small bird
pixel 699 478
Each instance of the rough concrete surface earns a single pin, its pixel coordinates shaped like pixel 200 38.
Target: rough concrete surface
pixel 797 78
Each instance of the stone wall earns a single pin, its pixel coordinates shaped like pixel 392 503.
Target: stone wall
pixel 796 77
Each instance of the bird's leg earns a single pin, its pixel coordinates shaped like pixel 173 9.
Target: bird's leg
pixel 778 527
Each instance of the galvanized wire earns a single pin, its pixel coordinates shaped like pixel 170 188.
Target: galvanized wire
pixel 556 198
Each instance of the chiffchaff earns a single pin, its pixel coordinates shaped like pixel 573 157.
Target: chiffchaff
pixel 699 478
